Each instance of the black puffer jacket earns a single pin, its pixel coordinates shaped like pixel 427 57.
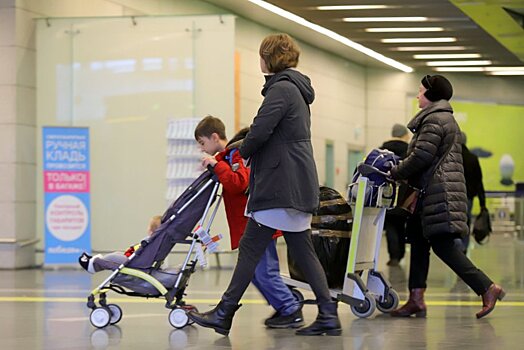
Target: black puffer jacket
pixel 444 203
pixel 283 171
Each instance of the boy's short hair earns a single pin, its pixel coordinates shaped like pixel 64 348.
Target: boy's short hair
pixel 210 125
pixel 279 51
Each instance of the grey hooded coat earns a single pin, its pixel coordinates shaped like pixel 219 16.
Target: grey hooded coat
pixel 283 171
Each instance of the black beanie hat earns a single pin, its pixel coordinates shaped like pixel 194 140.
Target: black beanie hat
pixel 438 88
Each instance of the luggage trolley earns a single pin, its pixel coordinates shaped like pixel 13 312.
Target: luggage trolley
pixel 369 204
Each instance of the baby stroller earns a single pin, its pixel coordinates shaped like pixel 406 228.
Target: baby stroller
pixel 142 274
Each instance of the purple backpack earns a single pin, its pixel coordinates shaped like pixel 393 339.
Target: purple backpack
pixel 382 161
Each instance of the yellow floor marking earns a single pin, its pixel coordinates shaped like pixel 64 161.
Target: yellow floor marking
pixel 116 300
pixel 214 301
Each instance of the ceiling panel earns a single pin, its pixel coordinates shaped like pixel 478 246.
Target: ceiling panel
pixel 476 25
pixel 439 13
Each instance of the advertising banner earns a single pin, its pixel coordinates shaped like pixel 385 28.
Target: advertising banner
pixel 66 194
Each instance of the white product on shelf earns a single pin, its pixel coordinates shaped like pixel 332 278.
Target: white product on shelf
pixel 183 156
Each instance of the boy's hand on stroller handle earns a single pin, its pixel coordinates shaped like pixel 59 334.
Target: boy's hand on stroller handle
pixel 209 161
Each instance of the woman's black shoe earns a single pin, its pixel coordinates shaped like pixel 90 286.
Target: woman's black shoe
pixel 327 322
pixel 219 318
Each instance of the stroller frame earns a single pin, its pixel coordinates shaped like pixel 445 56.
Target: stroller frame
pixel 368 223
pixel 110 314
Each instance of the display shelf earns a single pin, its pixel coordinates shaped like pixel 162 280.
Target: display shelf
pixel 183 156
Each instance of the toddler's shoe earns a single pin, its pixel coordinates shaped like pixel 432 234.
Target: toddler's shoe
pixel 86 261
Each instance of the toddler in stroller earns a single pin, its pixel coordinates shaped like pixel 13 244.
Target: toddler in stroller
pixel 142 275
pixel 111 261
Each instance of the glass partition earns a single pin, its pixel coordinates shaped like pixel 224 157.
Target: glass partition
pixel 128 79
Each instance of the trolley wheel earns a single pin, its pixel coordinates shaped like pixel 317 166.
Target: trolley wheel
pixel 178 318
pixel 100 317
pixel 390 302
pixel 297 294
pixel 367 309
pixel 116 313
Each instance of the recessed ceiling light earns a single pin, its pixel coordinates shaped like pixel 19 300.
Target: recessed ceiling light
pixel 460 69
pixel 417 40
pixel 497 69
pixel 458 63
pixel 331 34
pixel 385 19
pixel 352 7
pixel 508 72
pixel 487 70
pixel 446 56
pixel 428 48
pixel 404 30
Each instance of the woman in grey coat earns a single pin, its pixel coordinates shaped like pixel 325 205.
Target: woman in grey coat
pixel 434 164
pixel 283 188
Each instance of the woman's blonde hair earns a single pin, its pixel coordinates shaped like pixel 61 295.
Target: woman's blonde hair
pixel 154 223
pixel 279 51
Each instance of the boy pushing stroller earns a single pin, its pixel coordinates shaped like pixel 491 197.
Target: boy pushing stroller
pixel 234 177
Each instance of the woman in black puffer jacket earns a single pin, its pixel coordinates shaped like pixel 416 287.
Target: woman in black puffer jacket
pixel 434 164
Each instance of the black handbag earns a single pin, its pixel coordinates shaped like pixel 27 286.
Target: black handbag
pixel 482 226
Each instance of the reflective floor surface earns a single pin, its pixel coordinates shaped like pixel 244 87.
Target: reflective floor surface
pixel 45 309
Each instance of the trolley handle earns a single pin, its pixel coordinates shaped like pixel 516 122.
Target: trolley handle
pixel 367 169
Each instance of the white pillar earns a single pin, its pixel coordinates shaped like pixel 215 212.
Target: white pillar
pixel 17 137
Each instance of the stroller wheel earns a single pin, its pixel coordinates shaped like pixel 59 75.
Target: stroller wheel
pixel 190 308
pixel 178 318
pixel 116 313
pixel 100 317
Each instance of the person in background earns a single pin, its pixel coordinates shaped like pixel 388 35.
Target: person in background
pixel 396 219
pixel 474 186
pixel 434 165
pixel 283 188
pixel 227 164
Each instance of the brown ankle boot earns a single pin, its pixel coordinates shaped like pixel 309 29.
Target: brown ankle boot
pixel 489 299
pixel 414 306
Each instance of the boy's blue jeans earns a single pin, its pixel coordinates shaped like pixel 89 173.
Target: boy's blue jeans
pixel 268 281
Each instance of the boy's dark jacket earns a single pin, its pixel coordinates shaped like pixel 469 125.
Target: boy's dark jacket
pixel 283 171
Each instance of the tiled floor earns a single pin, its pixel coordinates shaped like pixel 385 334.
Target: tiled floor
pixel 44 309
